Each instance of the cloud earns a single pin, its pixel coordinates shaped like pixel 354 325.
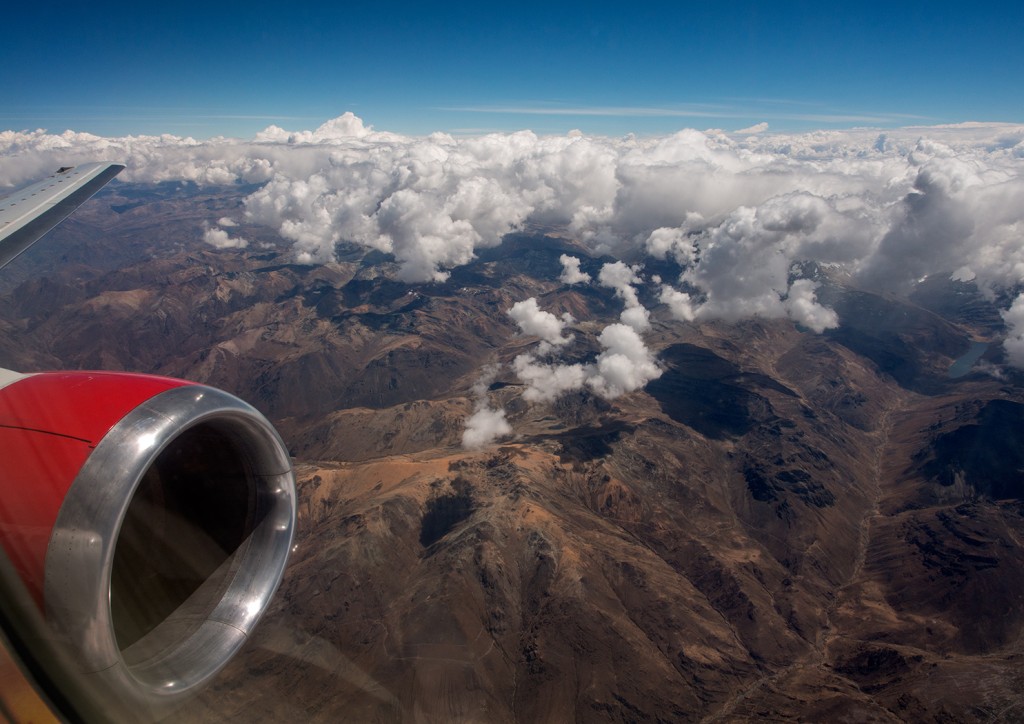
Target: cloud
pixel 745 260
pixel 533 320
pixel 547 382
pixel 750 130
pixel 928 231
pixel 625 364
pixel 226 222
pixel 614 111
pixel 488 373
pixel 675 242
pixel 1014 343
pixel 345 127
pixel 636 317
pixel 486 424
pixel 621 278
pixel 716 112
pixel 735 211
pixel 571 273
pixel 803 308
pixel 484 427
pixel 679 303
pixel 219 239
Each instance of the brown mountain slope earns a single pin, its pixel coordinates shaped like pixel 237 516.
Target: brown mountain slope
pixel 783 525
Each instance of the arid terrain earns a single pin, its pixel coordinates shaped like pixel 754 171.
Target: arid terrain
pixel 784 524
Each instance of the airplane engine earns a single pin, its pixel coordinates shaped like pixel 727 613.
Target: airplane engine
pixel 150 519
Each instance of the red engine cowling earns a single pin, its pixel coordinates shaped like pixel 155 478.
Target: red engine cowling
pixel 150 518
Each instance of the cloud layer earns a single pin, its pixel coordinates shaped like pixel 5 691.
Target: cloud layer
pixel 887 208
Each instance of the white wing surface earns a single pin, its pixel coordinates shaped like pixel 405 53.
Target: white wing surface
pixel 28 213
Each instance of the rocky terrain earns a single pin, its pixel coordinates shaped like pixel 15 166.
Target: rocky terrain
pixel 782 525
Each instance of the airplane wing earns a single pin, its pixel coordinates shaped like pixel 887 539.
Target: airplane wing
pixel 30 212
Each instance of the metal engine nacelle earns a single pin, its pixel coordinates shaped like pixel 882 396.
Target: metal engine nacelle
pixel 151 520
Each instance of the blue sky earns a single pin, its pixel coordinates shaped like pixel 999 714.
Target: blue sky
pixel 234 68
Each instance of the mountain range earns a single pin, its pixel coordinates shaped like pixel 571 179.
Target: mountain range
pixel 783 524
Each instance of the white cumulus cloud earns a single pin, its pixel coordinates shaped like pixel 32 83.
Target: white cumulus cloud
pixel 803 308
pixel 219 238
pixel 534 321
pixel 621 278
pixel 487 423
pixel 676 242
pixel 571 273
pixel 484 427
pixel 734 210
pixel 1014 344
pixel 679 303
pixel 547 382
pixel 750 130
pixel 625 364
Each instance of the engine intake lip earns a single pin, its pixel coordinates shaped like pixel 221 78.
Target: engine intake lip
pixel 80 555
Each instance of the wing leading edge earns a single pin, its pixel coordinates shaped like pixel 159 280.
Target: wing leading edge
pixel 30 212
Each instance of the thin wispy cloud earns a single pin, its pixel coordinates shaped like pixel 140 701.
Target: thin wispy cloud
pixel 609 111
pixel 703 112
pixel 759 100
pixel 822 109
